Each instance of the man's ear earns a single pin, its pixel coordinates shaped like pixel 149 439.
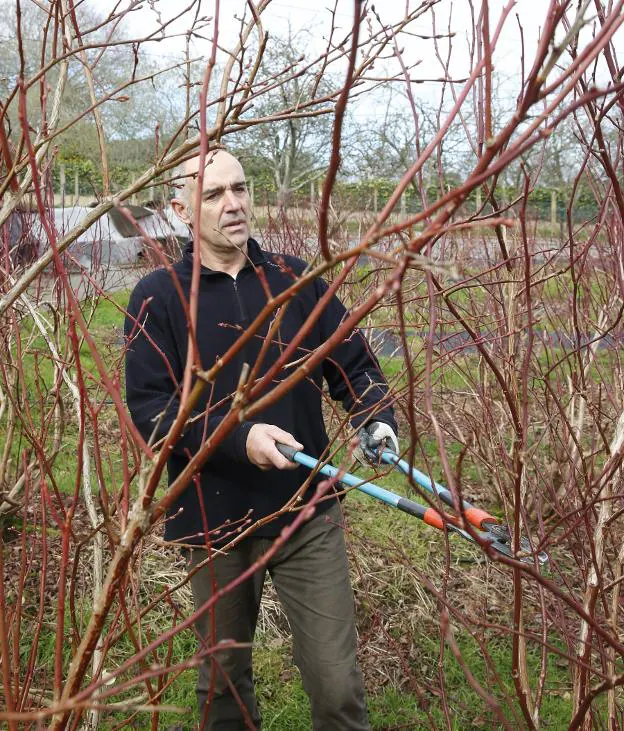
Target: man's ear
pixel 182 210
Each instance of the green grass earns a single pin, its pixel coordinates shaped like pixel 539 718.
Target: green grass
pixel 281 697
pixel 382 531
pixel 284 705
pixel 104 325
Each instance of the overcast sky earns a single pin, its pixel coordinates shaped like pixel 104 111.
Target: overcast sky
pixel 313 16
pixel 525 21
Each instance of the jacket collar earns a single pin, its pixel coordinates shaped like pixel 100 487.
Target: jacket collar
pixel 256 255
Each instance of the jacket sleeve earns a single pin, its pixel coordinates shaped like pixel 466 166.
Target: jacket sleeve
pixel 352 372
pixel 153 383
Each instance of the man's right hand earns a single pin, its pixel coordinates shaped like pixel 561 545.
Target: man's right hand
pixel 262 451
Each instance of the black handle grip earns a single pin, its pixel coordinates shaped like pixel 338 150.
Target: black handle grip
pixel 409 506
pixel 288 452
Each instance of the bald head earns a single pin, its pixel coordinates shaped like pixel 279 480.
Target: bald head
pixel 185 174
pixel 225 205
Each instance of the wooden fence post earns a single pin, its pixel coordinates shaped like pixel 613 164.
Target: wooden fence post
pixel 76 187
pixel 553 212
pixel 62 184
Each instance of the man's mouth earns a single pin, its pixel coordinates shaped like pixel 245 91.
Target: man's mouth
pixel 233 224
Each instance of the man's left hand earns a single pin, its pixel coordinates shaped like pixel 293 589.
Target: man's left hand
pixel 262 451
pixel 373 439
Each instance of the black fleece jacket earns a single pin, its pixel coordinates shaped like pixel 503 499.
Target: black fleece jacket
pixel 230 491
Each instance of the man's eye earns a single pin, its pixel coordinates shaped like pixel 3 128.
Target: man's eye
pixel 242 188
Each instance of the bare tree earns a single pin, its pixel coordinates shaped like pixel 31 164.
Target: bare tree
pixel 507 363
pixel 294 150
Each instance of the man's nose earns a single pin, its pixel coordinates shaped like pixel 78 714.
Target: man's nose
pixel 231 200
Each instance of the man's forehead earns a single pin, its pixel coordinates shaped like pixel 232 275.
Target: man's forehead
pixel 221 168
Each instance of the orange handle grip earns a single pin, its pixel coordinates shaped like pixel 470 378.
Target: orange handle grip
pixel 476 517
pixel 433 518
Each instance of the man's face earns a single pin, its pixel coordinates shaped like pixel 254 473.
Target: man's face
pixel 225 204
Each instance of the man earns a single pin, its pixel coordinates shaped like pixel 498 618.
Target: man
pixel 247 478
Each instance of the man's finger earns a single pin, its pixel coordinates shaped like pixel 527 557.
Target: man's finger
pixel 281 462
pixel 279 435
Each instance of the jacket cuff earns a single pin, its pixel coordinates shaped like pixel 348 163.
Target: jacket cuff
pixel 240 441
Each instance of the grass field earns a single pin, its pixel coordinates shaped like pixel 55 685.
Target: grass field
pixel 405 663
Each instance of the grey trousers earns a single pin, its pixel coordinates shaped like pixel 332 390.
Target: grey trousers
pixel 310 575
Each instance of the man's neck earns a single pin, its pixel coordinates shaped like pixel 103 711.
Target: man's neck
pixel 230 262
